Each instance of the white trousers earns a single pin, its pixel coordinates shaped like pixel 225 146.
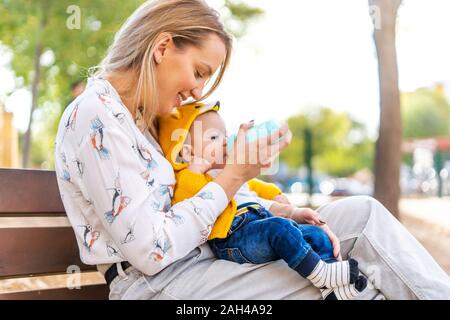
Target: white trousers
pixel 396 264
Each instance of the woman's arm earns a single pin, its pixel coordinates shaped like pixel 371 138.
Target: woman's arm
pixel 230 182
pixel 125 194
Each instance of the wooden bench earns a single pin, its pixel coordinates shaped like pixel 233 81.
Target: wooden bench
pixel 27 249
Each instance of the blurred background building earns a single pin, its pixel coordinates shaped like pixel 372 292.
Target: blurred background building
pixel 9 143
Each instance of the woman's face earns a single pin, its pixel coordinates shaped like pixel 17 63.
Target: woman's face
pixel 181 74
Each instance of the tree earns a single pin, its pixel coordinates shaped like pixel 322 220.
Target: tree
pixel 55 42
pixel 388 146
pixel 425 113
pixel 340 144
pixel 239 15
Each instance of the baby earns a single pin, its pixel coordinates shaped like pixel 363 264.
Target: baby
pixel 254 228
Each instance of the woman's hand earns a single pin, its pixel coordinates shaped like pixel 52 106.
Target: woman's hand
pixel 334 241
pixel 307 215
pixel 247 159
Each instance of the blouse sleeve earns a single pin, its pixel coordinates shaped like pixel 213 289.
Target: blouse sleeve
pixel 123 200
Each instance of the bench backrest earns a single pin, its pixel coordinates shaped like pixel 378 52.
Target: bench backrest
pixel 38 250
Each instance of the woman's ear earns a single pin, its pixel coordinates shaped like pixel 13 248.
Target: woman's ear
pixel 163 41
pixel 186 153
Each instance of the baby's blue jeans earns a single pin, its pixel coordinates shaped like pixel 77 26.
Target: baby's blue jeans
pixel 257 236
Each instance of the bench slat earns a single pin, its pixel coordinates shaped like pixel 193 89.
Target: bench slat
pixel 29 191
pixel 92 292
pixel 31 251
pixel 43 250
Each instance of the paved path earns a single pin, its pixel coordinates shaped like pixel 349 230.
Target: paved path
pixel 435 211
pixel 428 220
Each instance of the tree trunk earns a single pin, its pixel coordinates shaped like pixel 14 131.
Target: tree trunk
pixel 388 145
pixel 34 102
pixel 34 87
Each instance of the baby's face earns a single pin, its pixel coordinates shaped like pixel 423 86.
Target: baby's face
pixel 208 137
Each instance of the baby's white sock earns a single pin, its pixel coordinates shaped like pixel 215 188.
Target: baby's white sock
pixel 334 274
pixel 347 292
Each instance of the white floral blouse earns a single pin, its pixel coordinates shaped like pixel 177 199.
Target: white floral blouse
pixel 116 187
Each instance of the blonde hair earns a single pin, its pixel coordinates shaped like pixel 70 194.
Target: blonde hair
pixel 188 21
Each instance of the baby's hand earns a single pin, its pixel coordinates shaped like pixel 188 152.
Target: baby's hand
pixel 281 198
pixel 199 165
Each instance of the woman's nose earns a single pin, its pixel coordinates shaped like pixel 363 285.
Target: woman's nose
pixel 197 93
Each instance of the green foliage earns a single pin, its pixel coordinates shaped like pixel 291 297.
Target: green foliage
pixel 340 144
pixel 73 49
pixel 239 16
pixel 426 113
pixel 67 53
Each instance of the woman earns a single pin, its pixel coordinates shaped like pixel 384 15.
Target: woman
pixel 116 186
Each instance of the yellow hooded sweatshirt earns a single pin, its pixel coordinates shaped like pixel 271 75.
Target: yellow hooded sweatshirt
pixel 173 130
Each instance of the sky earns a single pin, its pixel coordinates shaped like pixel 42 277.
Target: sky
pixel 307 53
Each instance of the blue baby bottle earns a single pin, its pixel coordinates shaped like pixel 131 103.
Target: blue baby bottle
pixel 257 131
